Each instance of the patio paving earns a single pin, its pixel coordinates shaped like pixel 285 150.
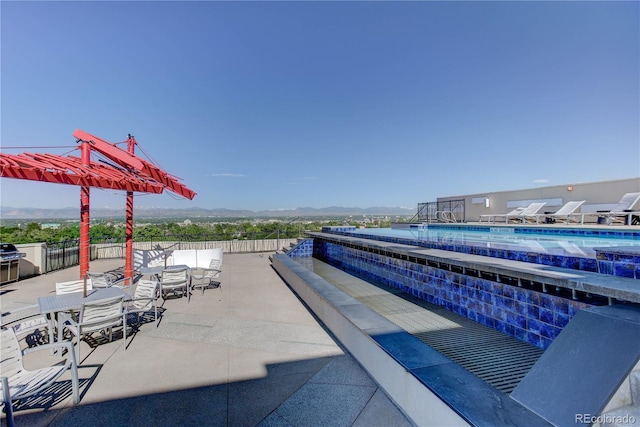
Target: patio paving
pixel 248 353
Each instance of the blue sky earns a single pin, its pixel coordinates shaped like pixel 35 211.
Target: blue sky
pixel 273 105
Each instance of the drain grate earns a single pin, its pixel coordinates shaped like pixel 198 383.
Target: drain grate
pixel 496 358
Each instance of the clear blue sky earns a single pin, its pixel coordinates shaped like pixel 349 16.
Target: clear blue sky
pixel 271 105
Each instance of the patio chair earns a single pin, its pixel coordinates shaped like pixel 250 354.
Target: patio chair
pixel 208 276
pixel 28 321
pixel 565 213
pixel 144 300
pixel 99 280
pixel 20 383
pixel 174 280
pixel 72 286
pixel 94 316
pixel 623 212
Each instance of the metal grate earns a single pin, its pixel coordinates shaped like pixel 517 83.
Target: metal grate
pixel 498 359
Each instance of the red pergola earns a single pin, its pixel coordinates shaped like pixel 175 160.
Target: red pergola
pixel 122 170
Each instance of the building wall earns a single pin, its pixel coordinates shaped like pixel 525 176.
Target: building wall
pixel 598 195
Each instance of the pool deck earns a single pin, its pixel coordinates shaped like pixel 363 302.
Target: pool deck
pixel 248 353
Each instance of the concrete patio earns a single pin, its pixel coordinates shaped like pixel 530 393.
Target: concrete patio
pixel 248 353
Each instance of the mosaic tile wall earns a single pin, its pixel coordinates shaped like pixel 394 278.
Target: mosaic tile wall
pixel 304 248
pixel 623 262
pixel 530 316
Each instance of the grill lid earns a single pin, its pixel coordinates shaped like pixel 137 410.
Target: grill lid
pixel 7 248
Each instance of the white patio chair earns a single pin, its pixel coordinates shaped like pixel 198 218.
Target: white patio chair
pixel 208 276
pixel 99 280
pixel 175 280
pixel 19 382
pixel 145 300
pixel 72 286
pixel 28 321
pixel 94 316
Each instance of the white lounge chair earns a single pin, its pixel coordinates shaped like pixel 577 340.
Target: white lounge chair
pixel 529 214
pixel 492 217
pixel 565 213
pixel 521 214
pixel 623 211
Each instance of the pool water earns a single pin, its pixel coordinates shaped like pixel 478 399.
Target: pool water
pixel 500 238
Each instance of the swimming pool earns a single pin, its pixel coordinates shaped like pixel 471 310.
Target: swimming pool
pixel 508 239
pixel 607 251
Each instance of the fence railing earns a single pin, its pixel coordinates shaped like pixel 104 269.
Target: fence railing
pixel 67 254
pixel 441 211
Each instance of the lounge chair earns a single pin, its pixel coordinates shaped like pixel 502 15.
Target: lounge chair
pixel 565 213
pixel 492 217
pixel 623 212
pixel 529 214
pixel 521 214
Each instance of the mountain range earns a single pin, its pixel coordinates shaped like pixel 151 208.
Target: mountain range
pixel 195 212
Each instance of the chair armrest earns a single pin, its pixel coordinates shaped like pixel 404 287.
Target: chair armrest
pixel 64 316
pixel 20 314
pixel 203 271
pixel 60 344
pixel 127 303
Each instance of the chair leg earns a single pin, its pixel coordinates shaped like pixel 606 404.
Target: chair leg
pixel 74 379
pixel 124 331
pixel 7 401
pixel 78 339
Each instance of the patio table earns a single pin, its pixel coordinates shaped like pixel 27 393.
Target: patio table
pixel 53 304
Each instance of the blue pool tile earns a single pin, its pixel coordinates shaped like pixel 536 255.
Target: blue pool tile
pixel 560 320
pixel 546 315
pixel 546 301
pixel 624 269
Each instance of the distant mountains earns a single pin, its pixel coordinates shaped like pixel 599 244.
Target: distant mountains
pixel 74 213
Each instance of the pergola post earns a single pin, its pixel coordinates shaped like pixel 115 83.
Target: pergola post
pixel 128 262
pixel 85 157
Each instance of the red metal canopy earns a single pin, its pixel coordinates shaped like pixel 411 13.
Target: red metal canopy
pixel 123 170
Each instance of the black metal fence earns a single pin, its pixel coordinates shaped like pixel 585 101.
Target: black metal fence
pixel 61 255
pixel 442 211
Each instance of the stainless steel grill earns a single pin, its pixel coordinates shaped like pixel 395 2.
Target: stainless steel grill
pixel 9 263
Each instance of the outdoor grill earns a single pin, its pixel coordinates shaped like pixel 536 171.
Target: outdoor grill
pixel 9 263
